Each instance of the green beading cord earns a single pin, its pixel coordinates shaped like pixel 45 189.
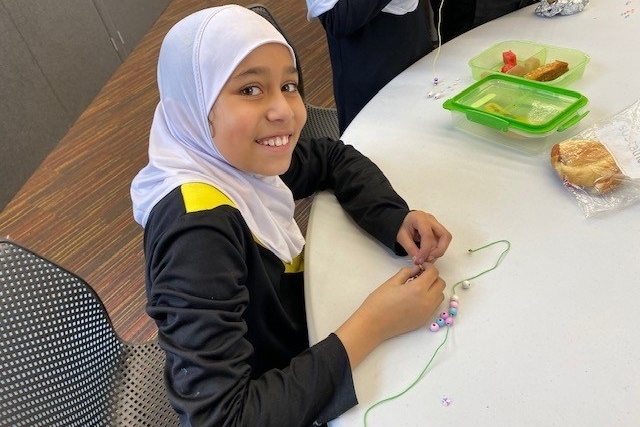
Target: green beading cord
pixel 424 370
pixel 500 258
pixel 416 381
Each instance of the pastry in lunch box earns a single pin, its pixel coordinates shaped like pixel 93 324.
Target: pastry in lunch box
pixel 548 72
pixel 586 163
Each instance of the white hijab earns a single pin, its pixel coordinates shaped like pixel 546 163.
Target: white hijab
pixel 197 57
pixel 316 8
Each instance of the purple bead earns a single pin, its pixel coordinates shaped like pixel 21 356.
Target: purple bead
pixel 434 327
pixel 449 321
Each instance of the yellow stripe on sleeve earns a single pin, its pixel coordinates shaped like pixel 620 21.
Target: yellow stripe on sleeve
pixel 198 196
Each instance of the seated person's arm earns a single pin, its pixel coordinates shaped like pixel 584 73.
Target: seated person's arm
pixel 359 185
pixel 367 196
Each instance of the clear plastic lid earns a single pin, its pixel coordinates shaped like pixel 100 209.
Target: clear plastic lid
pixel 508 103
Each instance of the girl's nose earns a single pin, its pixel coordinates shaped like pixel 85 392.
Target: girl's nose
pixel 280 108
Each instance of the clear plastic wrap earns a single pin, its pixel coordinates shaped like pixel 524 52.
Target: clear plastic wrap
pixel 600 182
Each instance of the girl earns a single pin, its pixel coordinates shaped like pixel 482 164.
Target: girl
pixel 223 252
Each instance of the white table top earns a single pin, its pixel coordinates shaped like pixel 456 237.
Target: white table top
pixel 550 337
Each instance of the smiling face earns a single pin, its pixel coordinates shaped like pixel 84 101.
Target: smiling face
pixel 257 118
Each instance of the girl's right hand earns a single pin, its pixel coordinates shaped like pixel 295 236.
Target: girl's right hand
pixel 403 303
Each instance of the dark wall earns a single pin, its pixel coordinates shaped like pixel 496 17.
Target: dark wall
pixel 54 58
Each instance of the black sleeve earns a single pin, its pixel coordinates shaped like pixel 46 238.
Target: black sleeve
pixel 348 16
pixel 359 185
pixel 201 278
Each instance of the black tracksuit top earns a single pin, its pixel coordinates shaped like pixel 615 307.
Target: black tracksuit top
pixel 231 315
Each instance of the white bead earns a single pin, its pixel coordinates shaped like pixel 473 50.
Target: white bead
pixel 454 297
pixel 466 284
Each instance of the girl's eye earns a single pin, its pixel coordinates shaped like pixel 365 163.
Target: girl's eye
pixel 290 87
pixel 251 91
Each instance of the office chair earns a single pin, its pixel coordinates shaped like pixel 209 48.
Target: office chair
pixel 61 362
pixel 321 122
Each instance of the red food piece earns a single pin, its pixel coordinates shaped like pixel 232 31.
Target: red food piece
pixel 509 58
pixel 507 67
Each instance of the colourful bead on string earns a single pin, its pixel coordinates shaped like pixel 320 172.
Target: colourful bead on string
pixel 445 320
pixel 437 92
pixel 454 300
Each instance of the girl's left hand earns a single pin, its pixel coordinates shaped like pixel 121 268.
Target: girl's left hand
pixel 423 237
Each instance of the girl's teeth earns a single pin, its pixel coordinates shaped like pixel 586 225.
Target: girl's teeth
pixel 275 142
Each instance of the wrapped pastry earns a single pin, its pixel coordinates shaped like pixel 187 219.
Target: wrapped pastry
pixel 587 164
pixel 600 166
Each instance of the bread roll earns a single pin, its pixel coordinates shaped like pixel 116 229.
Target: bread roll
pixel 586 163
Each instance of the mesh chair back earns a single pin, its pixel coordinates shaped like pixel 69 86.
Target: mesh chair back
pixel 321 122
pixel 61 362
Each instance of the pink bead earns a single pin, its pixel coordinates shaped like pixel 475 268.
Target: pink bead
pixel 434 327
pixel 448 321
pixel 444 314
pixel 453 304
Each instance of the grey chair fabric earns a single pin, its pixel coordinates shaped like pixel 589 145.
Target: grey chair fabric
pixel 321 121
pixel 61 362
